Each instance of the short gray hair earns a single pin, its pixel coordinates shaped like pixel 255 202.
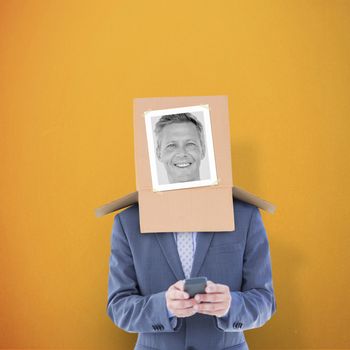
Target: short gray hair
pixel 179 118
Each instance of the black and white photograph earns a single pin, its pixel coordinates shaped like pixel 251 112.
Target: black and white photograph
pixel 180 148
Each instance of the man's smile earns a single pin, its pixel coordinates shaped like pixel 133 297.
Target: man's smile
pixel 182 164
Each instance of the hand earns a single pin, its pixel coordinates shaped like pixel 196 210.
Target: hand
pixel 216 302
pixel 178 301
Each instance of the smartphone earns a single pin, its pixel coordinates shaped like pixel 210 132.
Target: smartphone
pixel 195 285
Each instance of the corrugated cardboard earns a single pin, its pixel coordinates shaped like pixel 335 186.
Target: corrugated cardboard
pixel 194 209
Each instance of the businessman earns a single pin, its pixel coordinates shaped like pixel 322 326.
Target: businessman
pixel 145 291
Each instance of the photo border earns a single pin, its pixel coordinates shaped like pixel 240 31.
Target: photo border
pixel 208 142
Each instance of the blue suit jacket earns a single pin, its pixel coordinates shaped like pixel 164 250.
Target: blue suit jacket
pixel 143 266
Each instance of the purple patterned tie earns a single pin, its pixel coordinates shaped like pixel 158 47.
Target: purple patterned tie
pixel 185 249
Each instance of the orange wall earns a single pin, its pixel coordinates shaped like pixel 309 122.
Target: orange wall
pixel 68 73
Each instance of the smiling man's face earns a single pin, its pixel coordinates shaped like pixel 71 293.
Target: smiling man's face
pixel 180 151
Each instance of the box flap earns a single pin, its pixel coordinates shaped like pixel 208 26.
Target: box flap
pixel 132 198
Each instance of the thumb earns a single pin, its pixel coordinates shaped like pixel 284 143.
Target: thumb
pixel 179 285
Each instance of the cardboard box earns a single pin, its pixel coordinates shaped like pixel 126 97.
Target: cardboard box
pixel 202 158
pixel 192 209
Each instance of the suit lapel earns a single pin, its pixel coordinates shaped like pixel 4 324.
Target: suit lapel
pixel 169 249
pixel 202 246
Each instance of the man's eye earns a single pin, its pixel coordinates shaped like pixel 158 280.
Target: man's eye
pixel 170 146
pixel 191 144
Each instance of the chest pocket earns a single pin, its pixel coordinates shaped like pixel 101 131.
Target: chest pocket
pixel 225 248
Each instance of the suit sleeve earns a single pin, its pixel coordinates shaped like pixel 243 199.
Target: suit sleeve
pixel 126 307
pixel 255 303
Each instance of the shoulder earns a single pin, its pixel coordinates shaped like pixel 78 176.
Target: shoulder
pixel 129 218
pixel 245 214
pixel 244 209
pixel 129 212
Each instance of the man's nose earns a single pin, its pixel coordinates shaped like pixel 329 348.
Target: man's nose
pixel 182 150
